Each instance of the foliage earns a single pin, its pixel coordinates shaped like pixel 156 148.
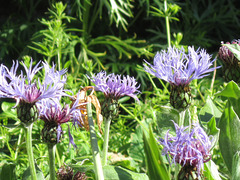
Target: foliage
pixel 87 36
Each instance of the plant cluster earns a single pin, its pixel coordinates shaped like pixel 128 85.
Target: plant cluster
pixel 118 94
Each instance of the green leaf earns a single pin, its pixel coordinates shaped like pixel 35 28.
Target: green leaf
pixel 112 172
pixel 236 166
pixel 136 150
pixel 210 171
pixel 164 116
pixel 230 91
pixel 214 131
pixel 209 110
pixel 6 106
pixel 235 49
pixel 156 169
pixel 8 172
pixel 229 140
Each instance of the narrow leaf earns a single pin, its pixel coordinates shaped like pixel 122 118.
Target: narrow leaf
pixel 155 166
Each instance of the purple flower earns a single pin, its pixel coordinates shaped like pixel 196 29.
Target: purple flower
pixel 188 147
pixel 178 67
pixel 53 114
pixel 28 88
pixel 115 86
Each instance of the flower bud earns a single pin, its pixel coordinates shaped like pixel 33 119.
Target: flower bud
pixel 110 108
pixel 180 97
pixel 27 112
pixel 51 133
pixel 65 173
pixel 231 67
pixel 188 173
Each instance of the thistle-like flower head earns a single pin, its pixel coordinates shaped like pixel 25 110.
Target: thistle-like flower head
pixel 53 114
pixel 115 86
pixel 178 67
pixel 27 88
pixel 188 147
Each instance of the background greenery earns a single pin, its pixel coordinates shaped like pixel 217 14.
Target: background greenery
pixel 87 36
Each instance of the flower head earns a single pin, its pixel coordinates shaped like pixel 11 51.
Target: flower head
pixel 26 87
pixel 231 67
pixel 188 147
pixel 53 114
pixel 115 86
pixel 226 55
pixel 178 67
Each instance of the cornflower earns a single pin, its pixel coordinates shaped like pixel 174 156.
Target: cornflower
pixel 114 87
pixel 27 90
pixel 231 67
pixel 179 68
pixel 190 148
pixel 53 114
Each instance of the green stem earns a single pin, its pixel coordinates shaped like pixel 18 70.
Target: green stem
pixel 18 143
pixel 51 156
pixel 135 117
pixel 213 78
pixel 181 118
pixel 94 145
pixel 198 89
pixel 167 24
pixel 180 123
pixel 106 139
pixel 28 135
pixel 86 10
pixel 59 60
pixel 58 158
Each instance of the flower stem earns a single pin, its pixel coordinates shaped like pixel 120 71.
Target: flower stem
pixel 51 156
pixel 18 143
pixel 181 118
pixel 106 139
pixel 28 135
pixel 94 145
pixel 135 117
pixel 180 123
pixel 167 24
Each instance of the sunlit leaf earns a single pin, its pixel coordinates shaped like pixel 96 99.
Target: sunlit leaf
pixel 229 140
pixel 156 169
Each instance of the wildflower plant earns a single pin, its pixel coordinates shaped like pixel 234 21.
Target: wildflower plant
pixel 114 87
pixel 179 68
pixel 190 148
pixel 28 91
pixel 53 115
